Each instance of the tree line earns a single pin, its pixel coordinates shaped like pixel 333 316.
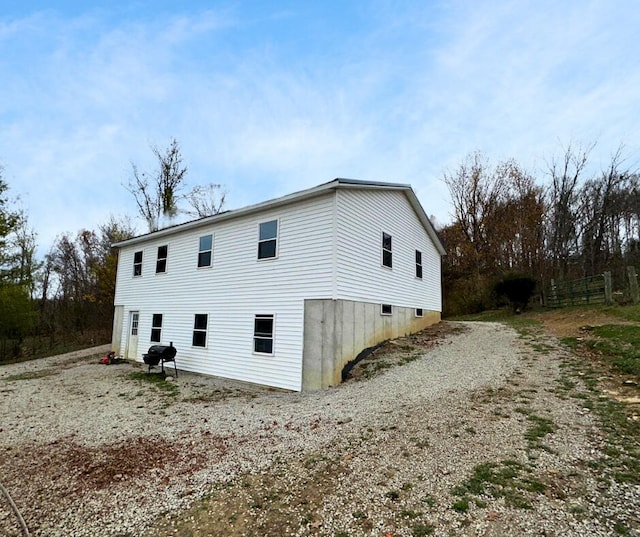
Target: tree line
pixel 574 223
pixel 505 223
pixel 65 299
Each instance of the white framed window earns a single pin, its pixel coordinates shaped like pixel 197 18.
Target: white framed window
pixel 387 255
pixel 156 328
pixel 419 312
pixel 205 251
pixel 268 240
pixel 386 309
pixel 200 322
pixel 263 334
pixel 161 262
pixel 418 264
pixel 135 319
pixel 137 263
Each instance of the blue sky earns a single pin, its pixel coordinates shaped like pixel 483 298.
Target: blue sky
pixel 271 97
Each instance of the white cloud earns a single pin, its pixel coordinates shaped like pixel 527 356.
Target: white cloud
pixel 389 94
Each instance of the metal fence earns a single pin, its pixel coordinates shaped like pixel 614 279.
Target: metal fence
pixel 589 290
pixel 596 289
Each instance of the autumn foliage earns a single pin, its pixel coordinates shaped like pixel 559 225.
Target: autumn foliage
pixel 571 224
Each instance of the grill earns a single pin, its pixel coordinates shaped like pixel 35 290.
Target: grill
pixel 159 354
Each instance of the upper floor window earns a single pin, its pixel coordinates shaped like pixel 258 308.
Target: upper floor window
pixel 206 251
pixel 263 334
pixel 161 263
pixel 268 239
pixel 156 328
pixel 200 330
pixel 137 263
pixel 418 264
pixel 387 256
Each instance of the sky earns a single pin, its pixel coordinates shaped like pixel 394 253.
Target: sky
pixel 271 97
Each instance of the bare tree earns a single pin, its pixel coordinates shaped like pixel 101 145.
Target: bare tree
pixel 206 200
pixel 157 194
pixel 566 172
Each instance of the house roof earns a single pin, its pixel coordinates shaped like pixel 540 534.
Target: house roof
pixel 338 183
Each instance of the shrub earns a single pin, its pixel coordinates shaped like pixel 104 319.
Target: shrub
pixel 517 289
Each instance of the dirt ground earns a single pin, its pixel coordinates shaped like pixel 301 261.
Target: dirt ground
pixel 570 323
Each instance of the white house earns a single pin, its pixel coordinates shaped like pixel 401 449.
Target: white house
pixel 286 292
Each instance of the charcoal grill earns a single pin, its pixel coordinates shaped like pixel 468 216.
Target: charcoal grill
pixel 159 354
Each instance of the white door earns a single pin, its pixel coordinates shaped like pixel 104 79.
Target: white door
pixel 132 336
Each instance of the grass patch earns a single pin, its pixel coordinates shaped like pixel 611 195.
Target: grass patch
pixel 539 428
pixel 420 530
pixel 507 479
pixel 620 460
pixel 628 313
pixel 462 505
pixel 619 344
pixel 30 375
pixel 429 501
pixel 157 380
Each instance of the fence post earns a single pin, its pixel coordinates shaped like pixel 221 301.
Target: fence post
pixel 608 289
pixel 633 284
pixel 586 289
pixel 571 292
pixel 553 294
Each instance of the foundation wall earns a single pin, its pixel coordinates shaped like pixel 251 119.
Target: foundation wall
pixel 336 331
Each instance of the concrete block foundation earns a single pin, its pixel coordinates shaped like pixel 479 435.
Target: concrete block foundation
pixel 336 331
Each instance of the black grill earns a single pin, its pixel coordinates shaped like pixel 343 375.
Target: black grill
pixel 159 354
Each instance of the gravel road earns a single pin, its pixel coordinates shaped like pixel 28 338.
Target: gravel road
pixel 90 451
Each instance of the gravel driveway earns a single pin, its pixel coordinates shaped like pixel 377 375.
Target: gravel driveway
pixel 480 435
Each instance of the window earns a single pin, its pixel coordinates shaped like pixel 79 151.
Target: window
pixel 387 260
pixel 263 334
pixel 135 318
pixel 205 252
pixel 418 264
pixel 156 327
pixel 419 312
pixel 137 264
pixel 267 243
pixel 200 330
pixel 161 263
pixel 386 309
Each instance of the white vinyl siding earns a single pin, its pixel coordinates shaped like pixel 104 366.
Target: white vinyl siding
pixel 328 247
pixel 362 218
pixel 236 290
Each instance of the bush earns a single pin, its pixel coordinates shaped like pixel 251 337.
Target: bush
pixel 517 289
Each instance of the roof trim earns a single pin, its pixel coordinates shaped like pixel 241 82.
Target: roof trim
pixel 338 183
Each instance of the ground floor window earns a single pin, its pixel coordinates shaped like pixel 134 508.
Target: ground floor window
pixel 156 328
pixel 200 330
pixel 419 312
pixel 263 334
pixel 386 309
